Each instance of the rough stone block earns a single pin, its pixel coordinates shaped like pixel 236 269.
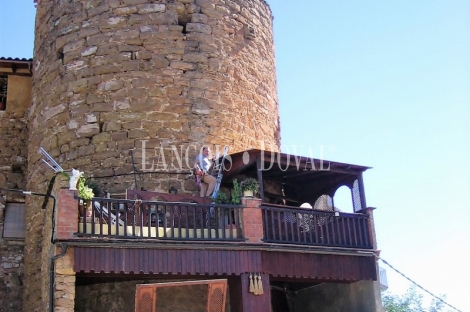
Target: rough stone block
pixel 125 10
pixel 198 27
pixel 199 18
pixel 88 130
pixel 151 8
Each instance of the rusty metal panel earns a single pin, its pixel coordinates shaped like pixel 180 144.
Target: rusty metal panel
pixel 224 262
pixel 15 220
pixel 164 261
pixel 319 266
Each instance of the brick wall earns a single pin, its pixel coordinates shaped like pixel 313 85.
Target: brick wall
pixel 252 220
pixel 67 215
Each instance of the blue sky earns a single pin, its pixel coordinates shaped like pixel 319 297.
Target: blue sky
pixel 380 84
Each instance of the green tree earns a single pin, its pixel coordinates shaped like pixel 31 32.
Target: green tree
pixel 411 301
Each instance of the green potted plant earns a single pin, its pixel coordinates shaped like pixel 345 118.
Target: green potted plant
pixel 250 187
pixel 222 198
pixel 236 193
pixel 86 194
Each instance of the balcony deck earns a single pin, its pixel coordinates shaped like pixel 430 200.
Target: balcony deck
pixel 183 221
pixel 159 234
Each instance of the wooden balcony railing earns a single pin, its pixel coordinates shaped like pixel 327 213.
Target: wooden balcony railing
pixel 292 225
pixel 161 220
pixel 253 223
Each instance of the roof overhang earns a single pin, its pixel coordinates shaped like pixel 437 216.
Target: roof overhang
pixel 309 177
pixel 22 67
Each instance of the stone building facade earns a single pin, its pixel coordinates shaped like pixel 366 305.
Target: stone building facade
pixel 126 85
pixel 128 91
pixel 15 78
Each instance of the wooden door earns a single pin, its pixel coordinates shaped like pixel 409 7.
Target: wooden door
pixel 145 298
pixel 216 296
pixel 146 294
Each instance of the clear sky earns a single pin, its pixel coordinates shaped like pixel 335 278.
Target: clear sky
pixel 384 84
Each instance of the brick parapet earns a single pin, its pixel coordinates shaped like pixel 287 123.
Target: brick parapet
pixel 252 220
pixel 67 214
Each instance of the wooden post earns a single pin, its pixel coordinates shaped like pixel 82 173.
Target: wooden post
pixel 369 212
pixel 252 302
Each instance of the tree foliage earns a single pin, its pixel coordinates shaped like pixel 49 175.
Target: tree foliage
pixel 411 301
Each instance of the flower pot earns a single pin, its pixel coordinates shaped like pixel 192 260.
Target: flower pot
pixel 81 210
pixel 248 193
pixel 89 210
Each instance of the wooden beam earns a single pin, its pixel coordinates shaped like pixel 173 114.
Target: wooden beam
pixel 260 178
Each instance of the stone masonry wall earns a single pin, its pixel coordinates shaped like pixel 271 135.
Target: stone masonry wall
pixel 14 132
pixel 11 271
pixel 39 249
pixel 114 76
pixel 13 167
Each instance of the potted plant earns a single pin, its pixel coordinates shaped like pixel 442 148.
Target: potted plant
pixel 236 193
pixel 86 194
pixel 250 187
pixel 222 198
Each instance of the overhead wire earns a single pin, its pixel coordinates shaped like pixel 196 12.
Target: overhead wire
pixel 421 287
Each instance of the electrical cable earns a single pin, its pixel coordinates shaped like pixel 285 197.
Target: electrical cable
pixel 419 285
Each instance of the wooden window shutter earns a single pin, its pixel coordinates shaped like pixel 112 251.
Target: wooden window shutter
pixel 146 298
pixel 146 294
pixel 15 220
pixel 216 296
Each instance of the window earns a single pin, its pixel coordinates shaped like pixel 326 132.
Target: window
pixel 3 92
pixel 15 220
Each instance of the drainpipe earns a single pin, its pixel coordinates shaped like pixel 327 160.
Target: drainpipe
pixel 64 250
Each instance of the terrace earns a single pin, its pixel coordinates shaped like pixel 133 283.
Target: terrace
pixel 288 181
pixel 156 236
pixel 159 220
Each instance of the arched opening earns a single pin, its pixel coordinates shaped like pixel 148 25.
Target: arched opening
pixel 343 200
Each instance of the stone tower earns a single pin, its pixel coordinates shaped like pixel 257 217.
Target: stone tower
pixel 112 76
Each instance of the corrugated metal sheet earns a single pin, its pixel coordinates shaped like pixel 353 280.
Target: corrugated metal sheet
pixel 319 266
pixel 224 262
pixel 163 261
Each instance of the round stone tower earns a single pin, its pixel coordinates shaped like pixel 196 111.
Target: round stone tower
pixel 112 76
pixel 155 77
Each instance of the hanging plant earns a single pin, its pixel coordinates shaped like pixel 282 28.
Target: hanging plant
pixel 84 191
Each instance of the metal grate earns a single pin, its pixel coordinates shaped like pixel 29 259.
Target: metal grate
pixel 146 303
pixel 15 220
pixel 217 301
pixel 3 91
pixel 324 202
pixel 356 196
